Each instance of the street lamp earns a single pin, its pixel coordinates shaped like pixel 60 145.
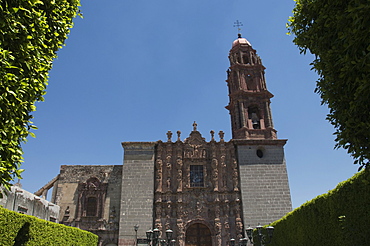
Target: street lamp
pixel 153 236
pixel 149 235
pixel 242 242
pixel 136 228
pixel 168 241
pixel 262 238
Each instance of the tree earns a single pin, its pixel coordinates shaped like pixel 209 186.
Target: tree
pixel 31 31
pixel 337 32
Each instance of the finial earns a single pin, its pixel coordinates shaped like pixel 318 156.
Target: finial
pixel 221 134
pixel 169 136
pixel 178 135
pixel 212 135
pixel 238 24
pixel 195 126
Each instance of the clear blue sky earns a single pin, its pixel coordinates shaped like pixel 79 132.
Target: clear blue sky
pixel 132 70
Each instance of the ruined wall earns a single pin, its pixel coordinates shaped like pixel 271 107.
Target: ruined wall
pixel 89 197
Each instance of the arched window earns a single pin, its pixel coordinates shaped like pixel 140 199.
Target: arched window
pixel 91 198
pixel 253 115
pixel 91 206
pixel 245 59
pixel 250 83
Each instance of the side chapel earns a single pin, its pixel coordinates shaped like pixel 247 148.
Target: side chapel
pixel 206 192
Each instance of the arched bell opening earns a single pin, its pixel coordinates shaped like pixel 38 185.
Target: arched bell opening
pixel 254 117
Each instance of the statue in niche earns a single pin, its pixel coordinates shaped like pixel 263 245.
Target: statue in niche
pixel 237 210
pixel 227 228
pixel 158 211
pixel 227 208
pixel 159 175
pixel 224 181
pixel 188 176
pixel 223 163
pixel 179 163
pixel 179 180
pixel 168 215
pixel 168 160
pixel 239 228
pixel 217 211
pixel 215 173
pixel 235 176
pixel 218 229
pixel 235 180
pixel 180 229
pixel 168 183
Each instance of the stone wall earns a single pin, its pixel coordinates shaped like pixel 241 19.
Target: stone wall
pixel 264 181
pixel 20 200
pixel 137 191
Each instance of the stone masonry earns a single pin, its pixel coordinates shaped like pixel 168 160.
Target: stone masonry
pixel 138 190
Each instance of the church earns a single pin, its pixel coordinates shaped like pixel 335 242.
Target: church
pixel 206 192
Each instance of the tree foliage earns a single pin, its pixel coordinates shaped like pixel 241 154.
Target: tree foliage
pixel 337 32
pixel 31 31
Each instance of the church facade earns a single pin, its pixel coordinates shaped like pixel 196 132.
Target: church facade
pixel 206 192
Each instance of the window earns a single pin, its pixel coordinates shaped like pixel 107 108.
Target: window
pixel 91 206
pixel 253 115
pixel 52 219
pixel 259 153
pixel 22 210
pixel 196 176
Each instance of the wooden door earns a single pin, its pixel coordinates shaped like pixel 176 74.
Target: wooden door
pixel 198 235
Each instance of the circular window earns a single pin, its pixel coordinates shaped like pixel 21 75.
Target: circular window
pixel 259 153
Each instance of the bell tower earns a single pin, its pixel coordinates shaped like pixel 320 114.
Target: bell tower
pixel 260 155
pixel 249 104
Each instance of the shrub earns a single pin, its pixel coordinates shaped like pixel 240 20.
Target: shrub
pixel 19 229
pixel 340 217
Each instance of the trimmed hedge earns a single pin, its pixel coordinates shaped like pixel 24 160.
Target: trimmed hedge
pixel 18 229
pixel 340 217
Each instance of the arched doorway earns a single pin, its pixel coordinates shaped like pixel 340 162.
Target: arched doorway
pixel 198 235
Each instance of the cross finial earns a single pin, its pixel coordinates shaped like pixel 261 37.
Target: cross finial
pixel 195 126
pixel 238 24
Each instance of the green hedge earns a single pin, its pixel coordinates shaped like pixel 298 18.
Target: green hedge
pixel 340 217
pixel 31 32
pixel 17 229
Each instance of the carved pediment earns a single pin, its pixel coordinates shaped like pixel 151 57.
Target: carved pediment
pixel 195 146
pixel 195 139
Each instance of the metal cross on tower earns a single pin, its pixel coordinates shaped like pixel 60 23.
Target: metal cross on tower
pixel 238 24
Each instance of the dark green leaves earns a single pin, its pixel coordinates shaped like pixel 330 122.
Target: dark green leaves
pixel 338 33
pixel 31 31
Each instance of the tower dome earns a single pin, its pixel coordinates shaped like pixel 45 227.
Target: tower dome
pixel 241 41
